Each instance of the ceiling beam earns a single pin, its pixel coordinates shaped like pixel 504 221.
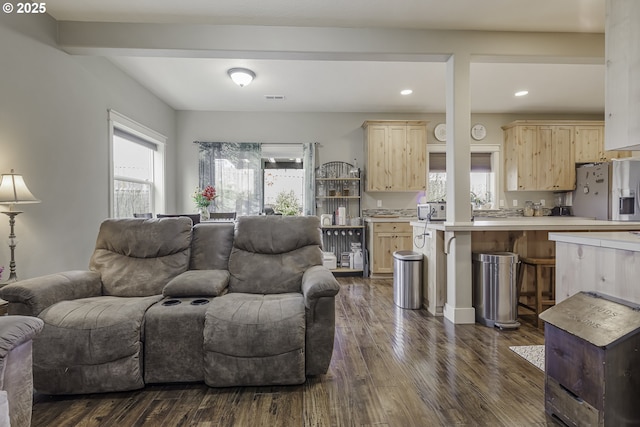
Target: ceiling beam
pixel 321 43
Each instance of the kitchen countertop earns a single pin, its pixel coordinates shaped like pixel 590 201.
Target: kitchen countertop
pixel 391 219
pixel 534 223
pixel 624 240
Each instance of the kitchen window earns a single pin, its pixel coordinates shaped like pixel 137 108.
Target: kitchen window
pixel 137 168
pixel 483 176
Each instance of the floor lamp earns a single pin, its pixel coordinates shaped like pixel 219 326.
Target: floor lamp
pixel 14 191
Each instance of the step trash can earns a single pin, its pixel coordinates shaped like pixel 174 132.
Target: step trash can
pixel 407 279
pixel 495 293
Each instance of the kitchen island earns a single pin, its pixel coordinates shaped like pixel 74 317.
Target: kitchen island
pixel 605 262
pixel 524 236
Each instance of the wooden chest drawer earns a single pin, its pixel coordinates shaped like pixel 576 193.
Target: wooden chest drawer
pixel 575 364
pixel 392 227
pixel 567 406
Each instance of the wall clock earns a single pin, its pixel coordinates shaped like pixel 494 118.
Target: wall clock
pixel 478 132
pixel 440 132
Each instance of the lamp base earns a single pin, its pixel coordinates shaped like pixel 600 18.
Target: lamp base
pixel 12 245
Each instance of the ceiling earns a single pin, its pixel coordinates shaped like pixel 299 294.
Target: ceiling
pixel 346 86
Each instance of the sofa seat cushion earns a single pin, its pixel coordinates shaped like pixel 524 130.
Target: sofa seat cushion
pixel 252 339
pixel 91 345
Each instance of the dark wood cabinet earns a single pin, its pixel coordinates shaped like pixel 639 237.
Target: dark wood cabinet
pixel 592 361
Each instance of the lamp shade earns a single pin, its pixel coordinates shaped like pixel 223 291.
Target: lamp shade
pixel 241 76
pixel 13 190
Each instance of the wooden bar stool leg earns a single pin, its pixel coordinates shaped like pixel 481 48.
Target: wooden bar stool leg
pixel 538 293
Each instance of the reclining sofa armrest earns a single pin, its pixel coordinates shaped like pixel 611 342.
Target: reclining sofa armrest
pixel 31 296
pixel 318 282
pixel 15 330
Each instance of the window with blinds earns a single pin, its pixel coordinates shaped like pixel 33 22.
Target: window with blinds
pixel 132 174
pixel 136 168
pixel 482 176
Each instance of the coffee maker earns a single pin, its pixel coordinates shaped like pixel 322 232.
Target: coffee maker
pixel 562 204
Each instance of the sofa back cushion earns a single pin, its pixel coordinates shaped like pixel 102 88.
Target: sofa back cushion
pixel 271 252
pixel 211 246
pixel 137 257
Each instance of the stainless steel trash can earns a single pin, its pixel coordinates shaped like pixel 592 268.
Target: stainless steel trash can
pixel 495 293
pixel 407 279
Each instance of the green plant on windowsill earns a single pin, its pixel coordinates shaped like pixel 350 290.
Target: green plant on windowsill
pixel 287 203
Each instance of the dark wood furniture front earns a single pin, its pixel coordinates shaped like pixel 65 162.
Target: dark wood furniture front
pixel 592 361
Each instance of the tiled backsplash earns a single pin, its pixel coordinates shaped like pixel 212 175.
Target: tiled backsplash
pixel 399 212
pixel 480 213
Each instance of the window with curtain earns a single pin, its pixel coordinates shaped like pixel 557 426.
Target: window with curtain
pixel 234 169
pixel 483 178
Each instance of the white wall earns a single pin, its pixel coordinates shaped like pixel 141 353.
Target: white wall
pixel 340 135
pixel 53 130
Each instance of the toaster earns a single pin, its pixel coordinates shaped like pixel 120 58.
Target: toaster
pixel 432 211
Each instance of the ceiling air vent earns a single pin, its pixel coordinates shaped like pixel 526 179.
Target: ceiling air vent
pixel 274 97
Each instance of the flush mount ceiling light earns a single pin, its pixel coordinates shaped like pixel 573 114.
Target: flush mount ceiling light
pixel 241 76
pixel 522 93
pixel 406 92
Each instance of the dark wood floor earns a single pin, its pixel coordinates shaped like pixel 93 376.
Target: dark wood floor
pixel 390 367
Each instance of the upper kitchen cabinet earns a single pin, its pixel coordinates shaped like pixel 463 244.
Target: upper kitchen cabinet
pixel 589 144
pixel 396 153
pixel 539 156
pixel 622 87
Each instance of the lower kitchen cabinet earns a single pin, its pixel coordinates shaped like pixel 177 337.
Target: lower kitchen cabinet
pixel 384 238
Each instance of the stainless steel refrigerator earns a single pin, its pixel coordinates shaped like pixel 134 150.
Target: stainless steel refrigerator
pixel 591 198
pixel 625 189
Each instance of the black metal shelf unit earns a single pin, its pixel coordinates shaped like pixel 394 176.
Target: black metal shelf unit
pixel 339 188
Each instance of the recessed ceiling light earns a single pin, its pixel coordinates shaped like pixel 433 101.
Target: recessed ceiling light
pixel 406 92
pixel 522 93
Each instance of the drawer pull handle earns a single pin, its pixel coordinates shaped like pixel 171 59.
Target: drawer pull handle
pixel 572 394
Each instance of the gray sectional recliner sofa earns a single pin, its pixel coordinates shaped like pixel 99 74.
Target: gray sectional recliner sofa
pixel 230 304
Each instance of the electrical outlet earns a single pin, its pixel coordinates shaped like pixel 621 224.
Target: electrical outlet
pixel 379 203
pixel 501 203
pixel 542 202
pixel 515 203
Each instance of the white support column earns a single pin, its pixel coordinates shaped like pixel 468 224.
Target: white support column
pixel 458 308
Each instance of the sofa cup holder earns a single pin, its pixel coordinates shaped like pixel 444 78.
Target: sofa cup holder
pixel 200 301
pixel 171 302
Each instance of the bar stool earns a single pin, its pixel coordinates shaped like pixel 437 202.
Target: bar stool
pixel 538 264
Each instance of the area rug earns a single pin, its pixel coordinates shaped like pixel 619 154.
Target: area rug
pixel 533 354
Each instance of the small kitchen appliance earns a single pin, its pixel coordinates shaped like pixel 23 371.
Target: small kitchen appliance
pixel 562 211
pixel 432 211
pixel 562 204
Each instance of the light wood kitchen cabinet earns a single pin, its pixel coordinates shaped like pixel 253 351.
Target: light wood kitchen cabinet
pixel 519 148
pixel 555 160
pixel 590 144
pixel 396 153
pixel 384 239
pixel 539 157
